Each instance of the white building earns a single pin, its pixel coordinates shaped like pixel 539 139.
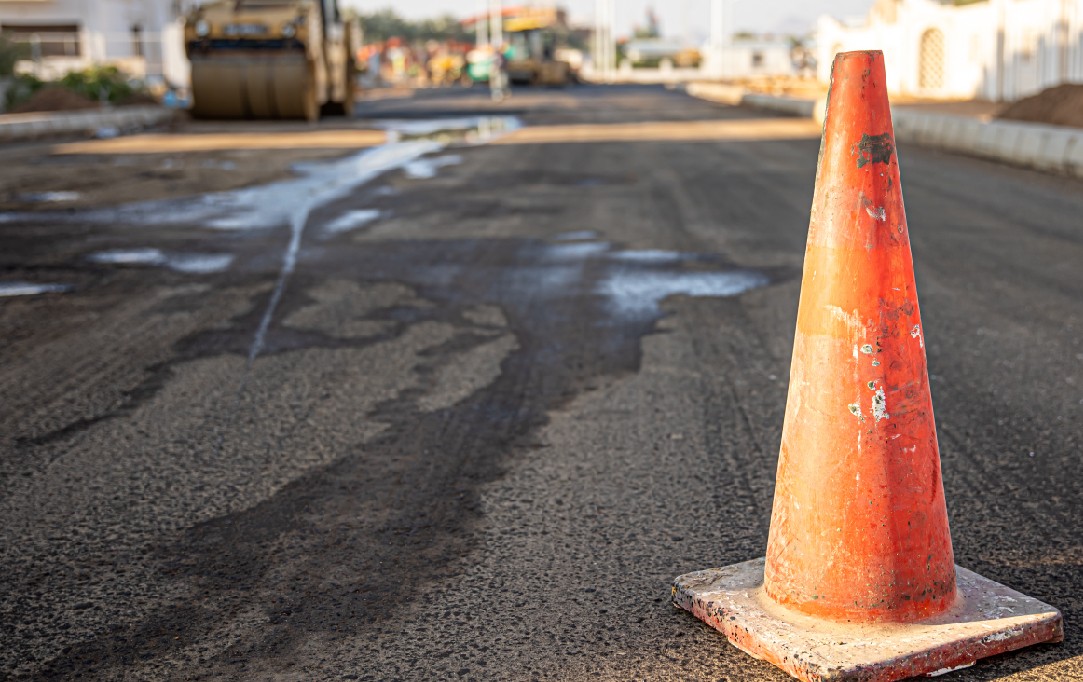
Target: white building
pixel 996 50
pixel 757 56
pixel 141 37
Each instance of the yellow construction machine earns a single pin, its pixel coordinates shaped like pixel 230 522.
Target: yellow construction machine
pixel 271 59
pixel 535 35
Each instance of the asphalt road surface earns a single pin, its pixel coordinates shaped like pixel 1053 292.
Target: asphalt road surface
pixel 463 405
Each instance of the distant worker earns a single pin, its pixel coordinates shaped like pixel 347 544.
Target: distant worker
pixel 496 75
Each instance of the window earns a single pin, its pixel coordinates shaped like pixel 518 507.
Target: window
pixel 47 40
pixel 931 60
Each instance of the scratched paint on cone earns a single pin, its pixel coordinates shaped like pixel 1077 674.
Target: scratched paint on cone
pixel 879 405
pixel 875 149
pixel 821 563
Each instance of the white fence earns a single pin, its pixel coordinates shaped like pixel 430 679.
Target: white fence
pixel 143 55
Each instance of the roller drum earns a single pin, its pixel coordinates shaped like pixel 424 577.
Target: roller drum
pixel 253 86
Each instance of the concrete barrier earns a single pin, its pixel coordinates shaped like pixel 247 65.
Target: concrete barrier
pixel 717 92
pixel 1045 147
pixel 1073 157
pixel 22 127
pixel 787 105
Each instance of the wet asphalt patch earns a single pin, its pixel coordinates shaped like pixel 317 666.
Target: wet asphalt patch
pixel 576 308
pixel 577 311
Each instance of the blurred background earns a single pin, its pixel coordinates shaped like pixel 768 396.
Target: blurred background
pixel 432 339
pixel 992 51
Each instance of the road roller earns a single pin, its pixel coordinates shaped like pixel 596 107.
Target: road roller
pixel 271 59
pixel 535 36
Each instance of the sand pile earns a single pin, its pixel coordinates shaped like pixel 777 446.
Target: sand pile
pixel 1061 105
pixel 54 98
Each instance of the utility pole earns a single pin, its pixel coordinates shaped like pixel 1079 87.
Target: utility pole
pixel 609 55
pixel 496 62
pixel 481 27
pixel 602 47
pixel 496 21
pixel 1000 39
pixel 717 39
pixel 1062 40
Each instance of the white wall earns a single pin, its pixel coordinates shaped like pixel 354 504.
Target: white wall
pixel 1032 55
pixel 106 34
pixel 737 60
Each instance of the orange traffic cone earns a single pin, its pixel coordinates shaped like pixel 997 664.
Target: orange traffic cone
pixel 859 581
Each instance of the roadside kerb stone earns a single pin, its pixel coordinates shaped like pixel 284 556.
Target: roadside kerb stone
pixel 22 127
pixel 1045 147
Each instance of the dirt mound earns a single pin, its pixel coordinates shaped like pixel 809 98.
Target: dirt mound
pixel 138 99
pixel 53 98
pixel 1062 105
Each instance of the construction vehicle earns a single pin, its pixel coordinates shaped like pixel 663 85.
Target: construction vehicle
pixel 271 59
pixel 534 38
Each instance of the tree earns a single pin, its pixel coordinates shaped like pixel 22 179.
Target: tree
pixel 386 23
pixel 10 52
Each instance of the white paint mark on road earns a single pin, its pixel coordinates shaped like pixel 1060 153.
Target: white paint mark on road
pixel 272 205
pixel 639 293
pixel 650 256
pixel 258 207
pixel 425 169
pixel 471 129
pixel 199 263
pixel 576 236
pixel 129 257
pixel 324 184
pixel 351 220
pixel 221 165
pixel 189 263
pixel 31 289
pixel 50 197
pixel 575 250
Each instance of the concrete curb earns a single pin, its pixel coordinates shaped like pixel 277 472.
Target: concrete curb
pixel 23 127
pixel 1034 145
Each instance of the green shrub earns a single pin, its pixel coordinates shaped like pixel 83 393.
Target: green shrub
pixel 99 83
pixel 23 86
pixel 10 52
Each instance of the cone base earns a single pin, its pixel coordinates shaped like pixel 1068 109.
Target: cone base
pixel 987 619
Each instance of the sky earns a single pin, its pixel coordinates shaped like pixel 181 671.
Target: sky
pixel 679 18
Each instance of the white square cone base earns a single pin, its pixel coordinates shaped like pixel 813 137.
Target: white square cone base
pixel 987 619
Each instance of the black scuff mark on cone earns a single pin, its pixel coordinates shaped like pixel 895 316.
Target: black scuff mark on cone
pixel 875 149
